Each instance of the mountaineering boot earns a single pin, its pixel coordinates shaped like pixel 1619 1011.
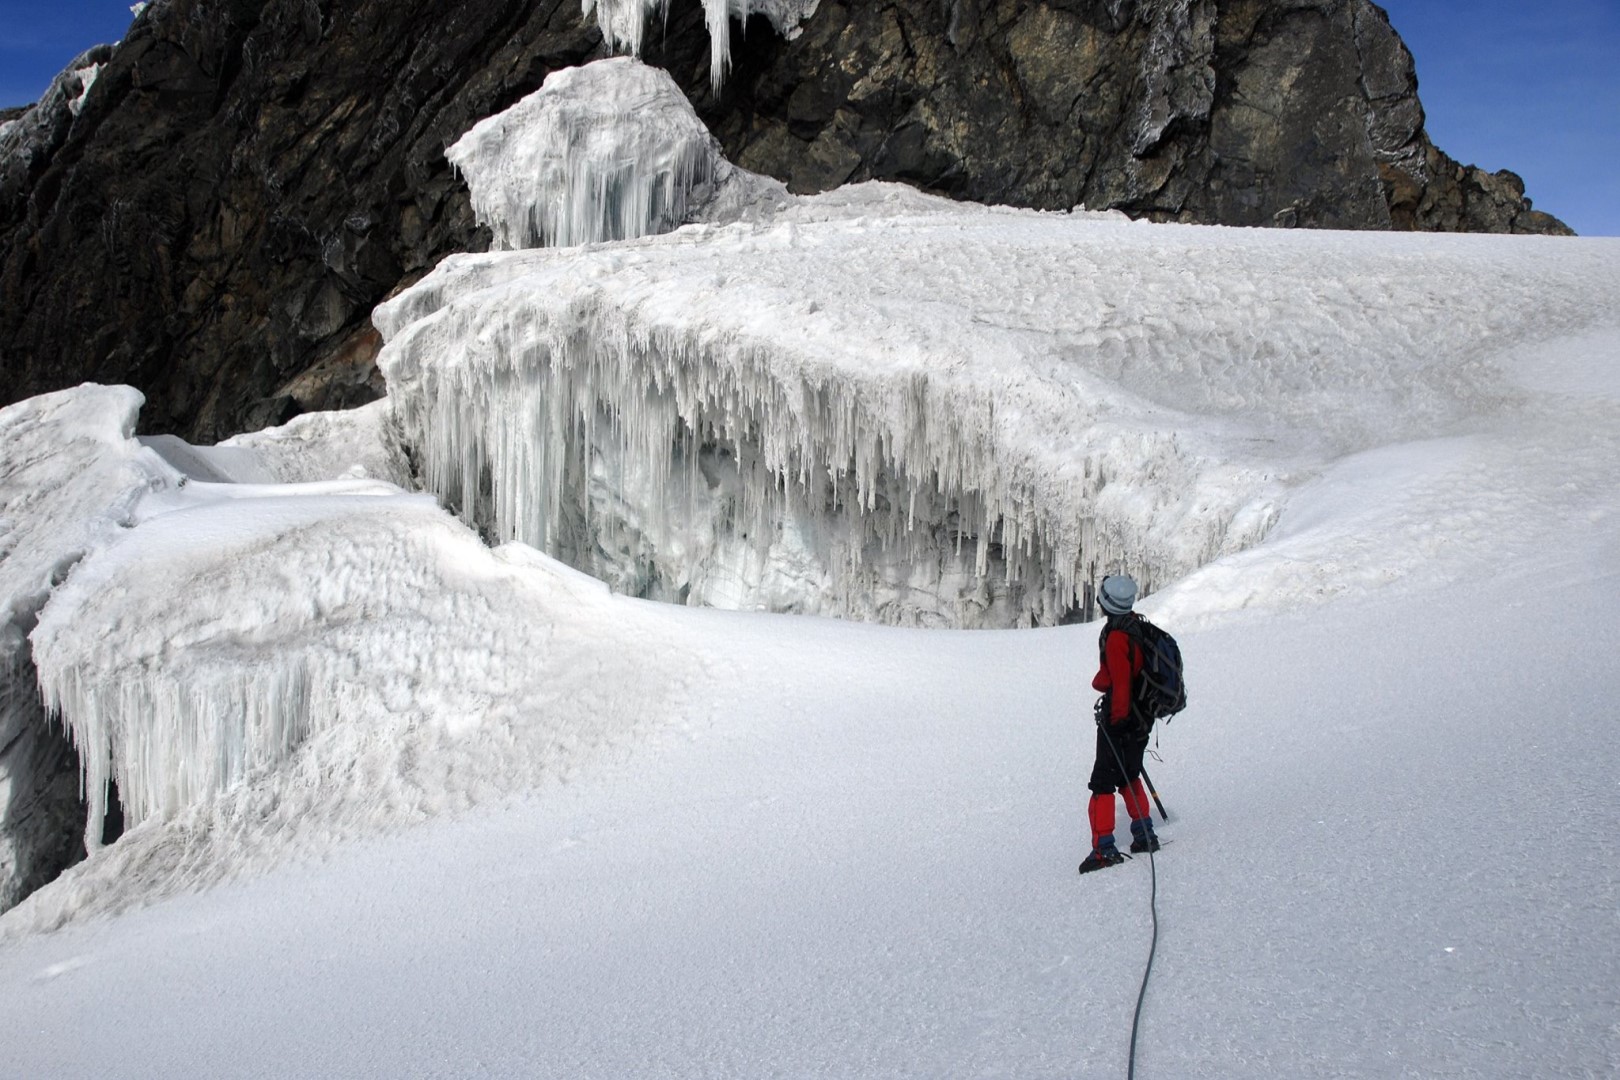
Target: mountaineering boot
pixel 1101 858
pixel 1103 852
pixel 1143 838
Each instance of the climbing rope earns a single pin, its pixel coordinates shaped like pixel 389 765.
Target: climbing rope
pixel 1153 907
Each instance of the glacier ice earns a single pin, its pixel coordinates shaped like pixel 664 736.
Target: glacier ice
pixel 27 139
pixel 623 22
pixel 879 404
pixel 71 477
pixel 607 151
pixel 265 667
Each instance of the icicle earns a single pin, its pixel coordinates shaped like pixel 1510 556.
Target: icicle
pixel 623 23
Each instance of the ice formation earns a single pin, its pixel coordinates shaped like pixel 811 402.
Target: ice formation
pixel 623 23
pixel 261 663
pixel 87 78
pixel 34 135
pixel 71 477
pixel 607 151
pixel 873 403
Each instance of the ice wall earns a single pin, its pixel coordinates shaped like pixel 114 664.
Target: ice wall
pixel 623 23
pixel 607 151
pixel 264 667
pixel 879 404
pixel 731 419
pixel 876 404
pixel 71 478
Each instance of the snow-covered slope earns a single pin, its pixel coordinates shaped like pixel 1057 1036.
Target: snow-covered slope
pixel 1393 855
pixel 820 848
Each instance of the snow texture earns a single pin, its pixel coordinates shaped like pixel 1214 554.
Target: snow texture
pixel 607 151
pixel 623 23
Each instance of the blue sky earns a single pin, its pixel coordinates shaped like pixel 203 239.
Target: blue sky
pixel 1506 84
pixel 1532 87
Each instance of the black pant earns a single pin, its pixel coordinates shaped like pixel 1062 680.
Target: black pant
pixel 1130 739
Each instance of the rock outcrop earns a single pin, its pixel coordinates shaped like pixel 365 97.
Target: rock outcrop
pixel 41 814
pixel 244 180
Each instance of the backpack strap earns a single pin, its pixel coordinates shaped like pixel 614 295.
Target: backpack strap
pixel 1131 627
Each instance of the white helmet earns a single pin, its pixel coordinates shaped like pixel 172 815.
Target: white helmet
pixel 1116 594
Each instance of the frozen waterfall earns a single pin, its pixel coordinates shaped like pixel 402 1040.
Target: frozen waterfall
pixel 624 21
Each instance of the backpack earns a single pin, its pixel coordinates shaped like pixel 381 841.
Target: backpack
pixel 1160 691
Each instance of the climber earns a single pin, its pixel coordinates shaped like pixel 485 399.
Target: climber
pixel 1122 731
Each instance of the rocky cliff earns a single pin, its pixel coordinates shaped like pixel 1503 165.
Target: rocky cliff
pixel 214 214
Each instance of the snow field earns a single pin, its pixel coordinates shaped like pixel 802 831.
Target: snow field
pixel 1389 859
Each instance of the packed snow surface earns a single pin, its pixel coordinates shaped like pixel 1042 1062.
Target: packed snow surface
pixel 1392 855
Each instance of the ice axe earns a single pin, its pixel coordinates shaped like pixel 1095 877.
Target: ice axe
pixel 1148 780
pixel 1102 725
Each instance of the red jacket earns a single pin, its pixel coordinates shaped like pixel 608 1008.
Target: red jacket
pixel 1121 663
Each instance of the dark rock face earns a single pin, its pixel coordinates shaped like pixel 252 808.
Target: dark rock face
pixel 41 813
pixel 1238 112
pixel 246 179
